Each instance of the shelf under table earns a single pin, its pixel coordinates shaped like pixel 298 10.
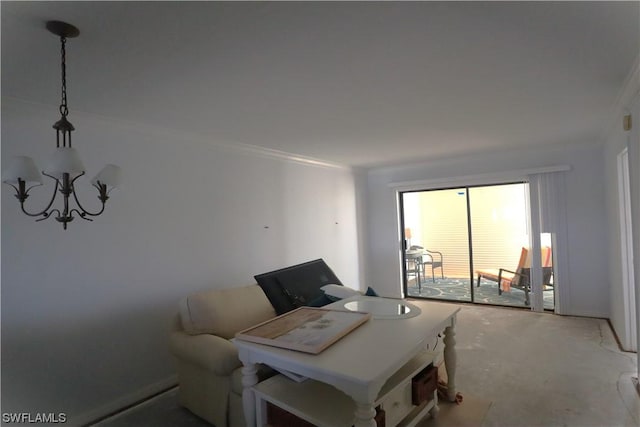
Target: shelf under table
pixel 325 406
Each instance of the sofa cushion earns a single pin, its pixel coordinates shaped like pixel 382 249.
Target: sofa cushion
pixel 223 312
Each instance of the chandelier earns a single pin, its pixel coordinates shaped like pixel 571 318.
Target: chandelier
pixel 65 166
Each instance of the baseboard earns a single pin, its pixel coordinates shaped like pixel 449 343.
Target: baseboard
pixel 91 417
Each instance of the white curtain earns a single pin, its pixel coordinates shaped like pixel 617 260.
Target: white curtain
pixel 549 215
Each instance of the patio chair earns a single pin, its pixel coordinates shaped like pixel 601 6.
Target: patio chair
pixel 431 258
pixel 520 278
pixel 507 279
pixel 413 266
pixel 547 268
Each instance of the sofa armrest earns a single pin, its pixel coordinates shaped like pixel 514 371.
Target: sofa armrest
pixel 210 352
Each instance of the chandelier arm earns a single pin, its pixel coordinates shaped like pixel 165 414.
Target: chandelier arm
pixel 33 186
pixel 24 193
pixel 84 211
pixel 43 212
pixel 48 215
pixel 16 188
pixel 81 214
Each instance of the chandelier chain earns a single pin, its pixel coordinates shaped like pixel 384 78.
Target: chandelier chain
pixel 63 54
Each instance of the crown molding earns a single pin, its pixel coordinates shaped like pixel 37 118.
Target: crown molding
pixel 202 140
pixel 282 155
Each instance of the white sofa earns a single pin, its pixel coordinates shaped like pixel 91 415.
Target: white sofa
pixel 207 361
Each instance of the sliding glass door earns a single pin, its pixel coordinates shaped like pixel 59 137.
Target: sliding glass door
pixel 437 244
pixel 501 258
pixel 471 244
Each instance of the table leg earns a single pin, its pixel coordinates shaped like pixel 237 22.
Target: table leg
pixel 450 360
pixel 365 414
pixel 261 412
pixel 436 409
pixel 249 379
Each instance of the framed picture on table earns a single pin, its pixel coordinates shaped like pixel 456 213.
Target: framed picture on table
pixel 306 329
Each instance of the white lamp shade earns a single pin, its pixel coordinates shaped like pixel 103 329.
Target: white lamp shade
pixel 110 175
pixel 22 167
pixel 65 160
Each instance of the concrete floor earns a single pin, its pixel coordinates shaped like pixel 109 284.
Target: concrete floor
pixel 537 369
pixel 540 369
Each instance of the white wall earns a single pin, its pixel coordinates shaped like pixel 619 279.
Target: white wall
pixel 85 311
pixel 589 291
pixel 618 140
pixel 634 172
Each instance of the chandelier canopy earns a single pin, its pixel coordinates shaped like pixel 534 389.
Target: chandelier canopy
pixel 64 166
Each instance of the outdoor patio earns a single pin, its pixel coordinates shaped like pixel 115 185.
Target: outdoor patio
pixel 458 289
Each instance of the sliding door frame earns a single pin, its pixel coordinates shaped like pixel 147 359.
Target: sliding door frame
pixel 503 177
pixel 403 240
pixel 466 189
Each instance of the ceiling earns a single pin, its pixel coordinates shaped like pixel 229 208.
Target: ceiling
pixel 357 83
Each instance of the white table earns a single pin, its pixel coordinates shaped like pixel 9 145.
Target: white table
pixel 361 362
